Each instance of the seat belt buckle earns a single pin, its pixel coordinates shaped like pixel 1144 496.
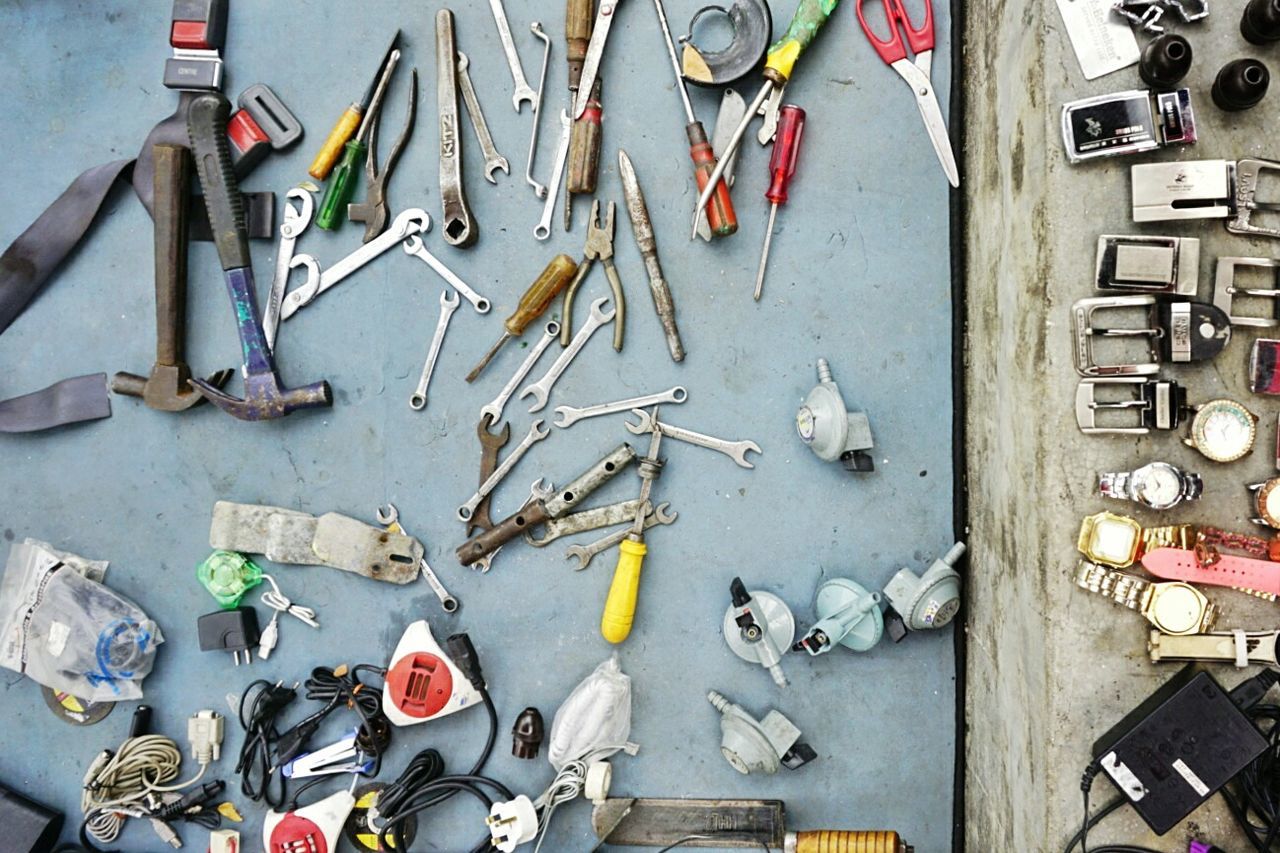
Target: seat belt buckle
pixel 262 124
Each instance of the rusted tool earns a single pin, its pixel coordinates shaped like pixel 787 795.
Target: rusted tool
pixel 599 247
pixel 642 227
pixel 167 388
pixel 584 139
pixel 490 444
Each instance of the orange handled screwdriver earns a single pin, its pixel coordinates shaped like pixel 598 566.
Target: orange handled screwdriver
pixel 554 279
pixel 719 207
pixel 348 122
pixel 782 167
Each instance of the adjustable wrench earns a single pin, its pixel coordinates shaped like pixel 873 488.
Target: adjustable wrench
pixel 543 229
pixel 493 410
pixel 588 519
pixel 414 246
pixel 389 517
pixel 415 220
pixel 418 401
pixel 735 450
pixel 296 220
pixel 537 432
pixel 523 91
pixel 541 390
pixel 493 161
pixel 538 189
pixel 567 416
pixel 585 553
pixel 459 228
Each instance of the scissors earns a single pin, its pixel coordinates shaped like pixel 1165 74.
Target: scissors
pixel 894 53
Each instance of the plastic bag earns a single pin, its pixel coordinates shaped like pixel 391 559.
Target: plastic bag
pixel 595 718
pixel 62 628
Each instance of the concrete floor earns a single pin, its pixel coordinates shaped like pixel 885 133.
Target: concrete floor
pixel 860 274
pixel 1050 667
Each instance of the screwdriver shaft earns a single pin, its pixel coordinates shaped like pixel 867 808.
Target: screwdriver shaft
pixel 488 357
pixel 764 255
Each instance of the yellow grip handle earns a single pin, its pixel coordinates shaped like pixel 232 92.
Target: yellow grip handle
pixel 332 148
pixel 549 284
pixel 848 841
pixel 620 606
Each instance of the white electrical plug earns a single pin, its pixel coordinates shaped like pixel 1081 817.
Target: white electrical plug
pixel 204 732
pixel 270 637
pixel 512 823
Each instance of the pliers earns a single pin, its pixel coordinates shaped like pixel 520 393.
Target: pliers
pixel 599 247
pixel 373 211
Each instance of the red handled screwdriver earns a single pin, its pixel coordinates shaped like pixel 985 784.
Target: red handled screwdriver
pixel 782 167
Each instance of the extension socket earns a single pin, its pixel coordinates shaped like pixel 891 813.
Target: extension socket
pixel 312 828
pixel 422 682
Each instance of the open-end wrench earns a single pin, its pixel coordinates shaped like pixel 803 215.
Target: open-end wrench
pixel 493 161
pixel 415 220
pixel 735 450
pixel 567 416
pixel 537 432
pixel 389 517
pixel 538 189
pixel 459 227
pixel 490 444
pixel 523 91
pixel 493 410
pixel 296 220
pixel 585 553
pixel 418 401
pixel 541 390
pixel 543 229
pixel 623 512
pixel 414 246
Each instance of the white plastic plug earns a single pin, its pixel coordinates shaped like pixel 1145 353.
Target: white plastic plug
pixel 270 637
pixel 512 823
pixel 204 732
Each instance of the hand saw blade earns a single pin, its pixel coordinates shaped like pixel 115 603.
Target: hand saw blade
pixel 647 822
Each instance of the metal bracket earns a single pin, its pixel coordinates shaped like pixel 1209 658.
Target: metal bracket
pixel 1159 404
pixel 1248 173
pixel 1225 290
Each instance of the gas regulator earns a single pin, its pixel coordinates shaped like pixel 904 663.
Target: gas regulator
pixel 830 429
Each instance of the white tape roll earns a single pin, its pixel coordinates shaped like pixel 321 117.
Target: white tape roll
pixel 599 777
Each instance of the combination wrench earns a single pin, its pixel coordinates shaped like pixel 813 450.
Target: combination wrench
pixel 493 161
pixel 490 444
pixel 543 229
pixel 567 416
pixel 735 450
pixel 541 390
pixel 459 228
pixel 585 553
pixel 538 189
pixel 623 512
pixel 537 432
pixel 523 91
pixel 414 246
pixel 418 401
pixel 493 410
pixel 389 517
pixel 296 220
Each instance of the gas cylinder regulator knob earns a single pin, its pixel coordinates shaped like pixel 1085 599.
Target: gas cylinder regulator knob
pixel 758 746
pixel 830 429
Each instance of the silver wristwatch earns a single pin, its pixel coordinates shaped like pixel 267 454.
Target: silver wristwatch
pixel 1157 485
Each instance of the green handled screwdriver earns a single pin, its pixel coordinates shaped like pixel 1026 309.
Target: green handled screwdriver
pixel 342 186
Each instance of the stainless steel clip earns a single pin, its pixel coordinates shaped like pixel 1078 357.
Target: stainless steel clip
pixel 1164 265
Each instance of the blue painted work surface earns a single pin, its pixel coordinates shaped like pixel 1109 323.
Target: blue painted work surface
pixel 859 274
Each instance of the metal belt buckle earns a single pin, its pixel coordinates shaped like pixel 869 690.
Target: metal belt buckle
pixel 1158 404
pixel 1180 332
pixel 1085 333
pixel 1164 265
pixel 1248 173
pixel 1225 290
pixel 1185 189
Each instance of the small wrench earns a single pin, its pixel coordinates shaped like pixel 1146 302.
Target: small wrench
pixel 414 246
pixel 296 220
pixel 418 401
pixel 494 409
pixel 623 512
pixel 567 416
pixel 543 229
pixel 490 444
pixel 541 390
pixel 459 227
pixel 735 450
pixel 389 517
pixel 584 553
pixel 537 432
pixel 523 91
pixel 493 161
pixel 538 189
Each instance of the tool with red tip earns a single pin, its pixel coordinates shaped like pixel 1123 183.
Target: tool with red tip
pixel 782 167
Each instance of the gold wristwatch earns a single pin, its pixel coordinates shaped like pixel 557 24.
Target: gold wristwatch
pixel 1170 536
pixel 1110 539
pixel 1172 606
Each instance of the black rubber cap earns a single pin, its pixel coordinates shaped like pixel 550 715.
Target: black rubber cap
pixel 1260 22
pixel 1165 60
pixel 527 734
pixel 1240 84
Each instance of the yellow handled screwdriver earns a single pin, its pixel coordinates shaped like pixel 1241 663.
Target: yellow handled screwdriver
pixel 553 280
pixel 350 119
pixel 620 605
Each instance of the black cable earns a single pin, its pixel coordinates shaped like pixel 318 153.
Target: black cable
pixel 256 764
pixel 721 837
pixel 1253 796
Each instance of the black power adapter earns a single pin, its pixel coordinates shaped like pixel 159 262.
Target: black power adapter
pixel 1177 748
pixel 28 826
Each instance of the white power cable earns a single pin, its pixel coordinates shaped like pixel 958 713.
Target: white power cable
pixel 277 601
pixel 568 783
pixel 116 786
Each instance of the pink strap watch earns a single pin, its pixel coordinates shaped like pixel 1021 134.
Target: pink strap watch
pixel 1246 573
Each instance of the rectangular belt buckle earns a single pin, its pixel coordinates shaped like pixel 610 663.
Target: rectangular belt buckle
pixel 1158 404
pixel 1248 174
pixel 1191 189
pixel 1085 333
pixel 1164 265
pixel 1225 291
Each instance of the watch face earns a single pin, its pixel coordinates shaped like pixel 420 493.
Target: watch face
pixel 1177 608
pixel 1110 539
pixel 1158 485
pixel 1268 502
pixel 1223 430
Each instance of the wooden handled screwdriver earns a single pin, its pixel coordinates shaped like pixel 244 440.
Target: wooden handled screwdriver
pixel 350 119
pixel 583 167
pixel 553 280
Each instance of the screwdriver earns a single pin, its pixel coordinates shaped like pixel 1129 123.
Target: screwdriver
pixel 620 605
pixel 721 216
pixel 805 24
pixel 337 195
pixel 782 167
pixel 328 154
pixel 540 294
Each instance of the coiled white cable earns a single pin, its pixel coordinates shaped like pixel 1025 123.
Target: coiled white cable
pixel 115 784
pixel 568 783
pixel 277 601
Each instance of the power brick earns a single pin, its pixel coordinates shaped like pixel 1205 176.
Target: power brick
pixel 28 826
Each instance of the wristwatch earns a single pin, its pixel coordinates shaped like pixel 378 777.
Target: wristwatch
pixel 1157 485
pixel 1174 608
pixel 1223 430
pixel 1110 539
pixel 1266 502
pixel 1257 577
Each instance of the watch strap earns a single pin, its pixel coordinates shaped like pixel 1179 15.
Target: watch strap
pixel 1244 573
pixel 1130 591
pixel 1239 647
pixel 1168 536
pixel 1114 485
pixel 1192 486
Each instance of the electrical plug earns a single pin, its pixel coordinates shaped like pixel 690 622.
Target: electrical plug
pixel 204 732
pixel 294 741
pixel 166 833
pixel 466 658
pixel 512 823
pixel 270 637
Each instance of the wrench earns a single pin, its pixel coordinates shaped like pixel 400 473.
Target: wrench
pixel 584 553
pixel 414 246
pixel 735 450
pixel 415 220
pixel 459 228
pixel 389 517
pixel 296 220
pixel 494 409
pixel 493 161
pixel 418 401
pixel 490 444
pixel 580 522
pixel 537 432
pixel 567 416
pixel 543 229
pixel 541 390
pixel 538 189
pixel 523 91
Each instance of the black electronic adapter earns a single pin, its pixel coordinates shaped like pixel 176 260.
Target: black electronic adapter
pixel 28 826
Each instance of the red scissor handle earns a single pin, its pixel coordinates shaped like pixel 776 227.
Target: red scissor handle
pixel 892 49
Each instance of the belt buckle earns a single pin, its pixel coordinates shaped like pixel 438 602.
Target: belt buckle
pixel 1085 332
pixel 1225 290
pixel 1158 403
pixel 1148 264
pixel 1248 173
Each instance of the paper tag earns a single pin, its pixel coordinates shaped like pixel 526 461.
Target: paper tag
pixel 1103 42
pixel 1190 776
pixel 57 640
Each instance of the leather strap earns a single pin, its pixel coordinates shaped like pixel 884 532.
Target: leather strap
pixel 1229 571
pixel 82 398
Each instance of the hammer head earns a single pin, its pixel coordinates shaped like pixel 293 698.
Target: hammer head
pixel 265 399
pixel 168 388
